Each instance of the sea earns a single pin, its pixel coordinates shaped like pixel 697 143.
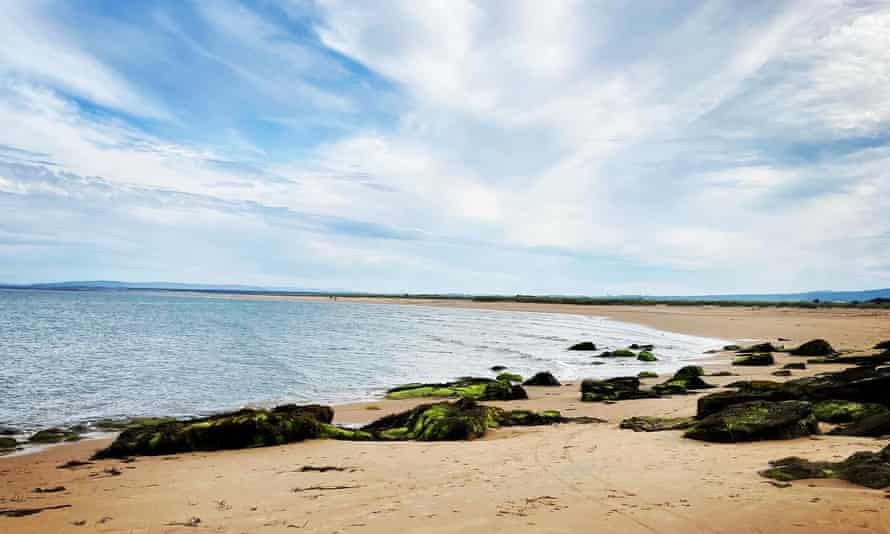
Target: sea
pixel 71 357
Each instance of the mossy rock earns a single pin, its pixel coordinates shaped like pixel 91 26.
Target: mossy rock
pixel 864 468
pixel 542 379
pixel 782 372
pixel 686 379
pixel 237 430
pixel 584 345
pixel 646 356
pixel 613 389
pixel 472 388
pixel 622 353
pixel 840 411
pixel 647 374
pixel 815 347
pixel 759 347
pixel 53 435
pixel 755 421
pixel 509 377
pixel 755 360
pixel 723 373
pixel 449 421
pixel 656 424
pixel 716 402
pixel 732 348
pixel 8 443
pixel 756 385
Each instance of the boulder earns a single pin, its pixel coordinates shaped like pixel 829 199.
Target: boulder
pixel 732 348
pixel 500 390
pixel 883 345
pixel 815 347
pixel 874 426
pixel 865 360
pixel 236 430
pixel 8 443
pixel 618 353
pixel 647 374
pixel 755 421
pixel 584 345
pixel 613 389
pixel 542 379
pixel 687 378
pixel 782 372
pixel 796 365
pixel 635 346
pixel 759 347
pixel 646 356
pixel 755 360
pixel 869 469
pixel 448 421
pixel 498 368
pixel 656 424
pixel 716 402
pixel 860 384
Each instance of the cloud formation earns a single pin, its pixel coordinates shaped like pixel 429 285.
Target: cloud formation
pixel 448 146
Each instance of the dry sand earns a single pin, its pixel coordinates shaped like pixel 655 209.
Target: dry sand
pixel 566 478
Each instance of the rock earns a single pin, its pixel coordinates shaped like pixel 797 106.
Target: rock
pixel 619 353
pixel 687 378
pixel 613 389
pixel 756 385
pixel 237 430
pixel 795 365
pixel 723 373
pixel 732 348
pixel 647 374
pixel 716 402
pixel 498 368
pixel 874 426
pixel 755 421
pixel 883 345
pixel 656 424
pixel 872 360
pixel 542 379
pixel 509 377
pixel 815 347
pixel 502 391
pixel 869 469
pixel 8 431
pixel 447 421
pixel 840 411
pixel 53 435
pixel 470 388
pixel 759 347
pixel 860 384
pixel 584 345
pixel 646 356
pixel 8 443
pixel 635 346
pixel 755 360
pixel 782 372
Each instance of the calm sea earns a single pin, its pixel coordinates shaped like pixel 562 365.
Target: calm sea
pixel 74 356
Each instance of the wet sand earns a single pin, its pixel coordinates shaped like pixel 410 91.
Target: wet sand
pixel 565 478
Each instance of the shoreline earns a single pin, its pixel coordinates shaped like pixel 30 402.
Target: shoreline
pixel 555 479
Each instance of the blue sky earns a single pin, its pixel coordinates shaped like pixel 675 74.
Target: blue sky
pixel 492 146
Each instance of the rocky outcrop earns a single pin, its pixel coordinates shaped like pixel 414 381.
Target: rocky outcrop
pixel 237 430
pixel 815 347
pixel 613 389
pixel 869 469
pixel 542 379
pixel 755 421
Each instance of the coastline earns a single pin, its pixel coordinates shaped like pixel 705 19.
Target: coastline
pixel 555 479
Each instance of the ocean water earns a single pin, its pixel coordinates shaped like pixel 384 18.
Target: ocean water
pixel 73 356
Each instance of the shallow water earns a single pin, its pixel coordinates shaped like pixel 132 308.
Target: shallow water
pixel 73 356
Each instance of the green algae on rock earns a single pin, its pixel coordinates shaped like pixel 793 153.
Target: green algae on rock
pixel 8 443
pixel 468 388
pixel 755 421
pixel 687 378
pixel 864 468
pixel 613 389
pixel 463 419
pixel 237 430
pixel 755 360
pixel 647 374
pixel 509 377
pixel 840 411
pixel 873 425
pixel 54 435
pixel 618 353
pixel 656 424
pixel 646 356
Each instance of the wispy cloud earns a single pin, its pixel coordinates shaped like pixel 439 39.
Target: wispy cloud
pixel 479 146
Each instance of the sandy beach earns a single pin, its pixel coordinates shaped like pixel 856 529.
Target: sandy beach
pixel 564 478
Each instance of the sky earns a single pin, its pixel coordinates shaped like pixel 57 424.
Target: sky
pixel 512 146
